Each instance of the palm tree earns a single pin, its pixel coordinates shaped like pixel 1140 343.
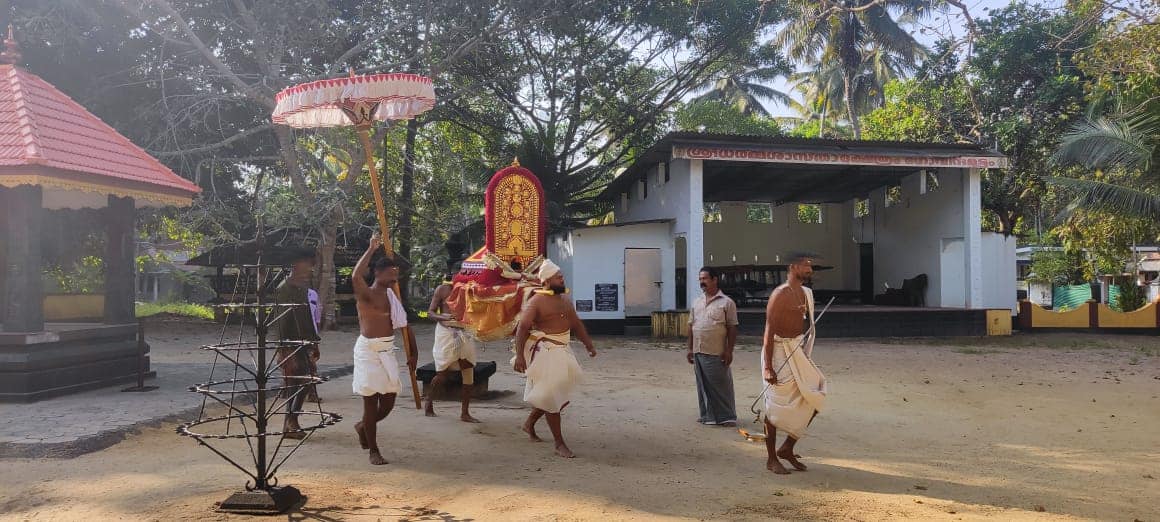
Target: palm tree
pixel 743 84
pixel 1128 143
pixel 822 91
pixel 824 87
pixel 842 32
pixel 742 92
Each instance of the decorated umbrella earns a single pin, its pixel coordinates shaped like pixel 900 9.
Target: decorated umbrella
pixel 359 101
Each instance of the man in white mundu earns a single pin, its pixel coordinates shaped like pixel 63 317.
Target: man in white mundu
pixel 543 354
pixel 454 351
pixel 796 389
pixel 376 371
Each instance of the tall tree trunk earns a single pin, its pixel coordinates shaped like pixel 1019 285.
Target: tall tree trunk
pixel 1007 222
pixel 407 204
pixel 846 80
pixel 327 244
pixel 822 121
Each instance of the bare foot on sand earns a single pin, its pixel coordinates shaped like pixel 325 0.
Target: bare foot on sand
pixel 293 432
pixel 775 466
pixel 530 429
pixel 377 458
pixel 362 438
pixel 466 417
pixel 791 459
pixel 563 451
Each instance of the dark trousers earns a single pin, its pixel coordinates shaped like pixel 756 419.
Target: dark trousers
pixel 295 362
pixel 714 389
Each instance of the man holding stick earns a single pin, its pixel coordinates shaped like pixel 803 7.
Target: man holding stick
pixel 797 389
pixel 376 371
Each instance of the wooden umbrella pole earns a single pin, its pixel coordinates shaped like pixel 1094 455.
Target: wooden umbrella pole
pixel 364 135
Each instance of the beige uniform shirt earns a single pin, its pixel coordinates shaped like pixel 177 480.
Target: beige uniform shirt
pixel 708 321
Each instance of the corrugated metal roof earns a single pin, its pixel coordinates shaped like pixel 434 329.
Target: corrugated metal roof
pixel 41 126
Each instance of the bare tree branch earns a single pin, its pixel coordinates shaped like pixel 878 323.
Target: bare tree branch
pixel 205 51
pixel 212 146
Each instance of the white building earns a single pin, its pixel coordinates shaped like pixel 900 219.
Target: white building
pixel 876 213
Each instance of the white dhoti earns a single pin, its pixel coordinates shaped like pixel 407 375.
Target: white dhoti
pixel 452 345
pixel 553 371
pixel 800 390
pixel 801 387
pixel 375 368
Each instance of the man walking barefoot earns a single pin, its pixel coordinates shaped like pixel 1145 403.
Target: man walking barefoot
pixel 454 351
pixel 376 371
pixel 542 353
pixel 796 389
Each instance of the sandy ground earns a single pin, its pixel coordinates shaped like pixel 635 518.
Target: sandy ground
pixel 1042 427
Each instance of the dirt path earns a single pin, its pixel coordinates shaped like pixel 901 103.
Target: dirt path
pixel 965 430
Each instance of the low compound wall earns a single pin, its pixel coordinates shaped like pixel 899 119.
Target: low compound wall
pixel 1089 316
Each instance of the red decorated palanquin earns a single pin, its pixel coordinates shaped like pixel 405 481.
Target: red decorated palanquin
pixel 491 287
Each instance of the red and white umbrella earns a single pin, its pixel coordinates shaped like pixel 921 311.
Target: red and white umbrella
pixel 359 101
pixel 354 100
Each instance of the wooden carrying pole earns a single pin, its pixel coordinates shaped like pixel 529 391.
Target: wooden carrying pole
pixel 365 136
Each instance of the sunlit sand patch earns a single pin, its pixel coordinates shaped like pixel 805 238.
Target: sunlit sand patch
pixel 916 473
pixel 1074 460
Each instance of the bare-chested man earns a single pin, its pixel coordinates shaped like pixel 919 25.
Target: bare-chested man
pixel 542 353
pixel 796 389
pixel 454 351
pixel 376 371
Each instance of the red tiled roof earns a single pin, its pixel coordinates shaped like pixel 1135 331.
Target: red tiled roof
pixel 41 126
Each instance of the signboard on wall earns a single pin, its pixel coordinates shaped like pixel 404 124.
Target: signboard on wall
pixel 607 297
pixel 584 305
pixel 767 154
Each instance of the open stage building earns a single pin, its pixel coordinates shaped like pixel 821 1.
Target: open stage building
pixel 897 228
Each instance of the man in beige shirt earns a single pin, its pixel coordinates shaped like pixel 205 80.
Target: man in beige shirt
pixel 712 334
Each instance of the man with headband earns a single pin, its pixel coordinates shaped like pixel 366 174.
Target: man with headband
pixel 543 354
pixel 796 389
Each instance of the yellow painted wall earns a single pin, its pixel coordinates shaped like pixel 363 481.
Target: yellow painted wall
pixel 63 308
pixel 1043 318
pixel 999 322
pixel 1142 318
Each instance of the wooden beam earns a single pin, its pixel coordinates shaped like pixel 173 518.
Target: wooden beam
pixel 120 260
pixel 3 255
pixel 25 291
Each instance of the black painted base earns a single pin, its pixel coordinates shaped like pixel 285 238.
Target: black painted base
pixel 450 389
pixel 68 358
pixel 139 389
pixel 273 501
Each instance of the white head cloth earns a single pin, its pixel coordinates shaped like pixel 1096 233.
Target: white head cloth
pixel 547 270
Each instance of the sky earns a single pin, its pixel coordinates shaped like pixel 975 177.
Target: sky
pixel 947 24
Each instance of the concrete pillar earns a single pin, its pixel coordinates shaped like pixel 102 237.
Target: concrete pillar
pixel 120 260
pixel 24 290
pixel 695 235
pixel 3 256
pixel 973 237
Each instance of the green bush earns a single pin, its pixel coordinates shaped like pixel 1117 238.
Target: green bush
pixel 85 276
pixel 1131 296
pixel 196 311
pixel 1058 267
